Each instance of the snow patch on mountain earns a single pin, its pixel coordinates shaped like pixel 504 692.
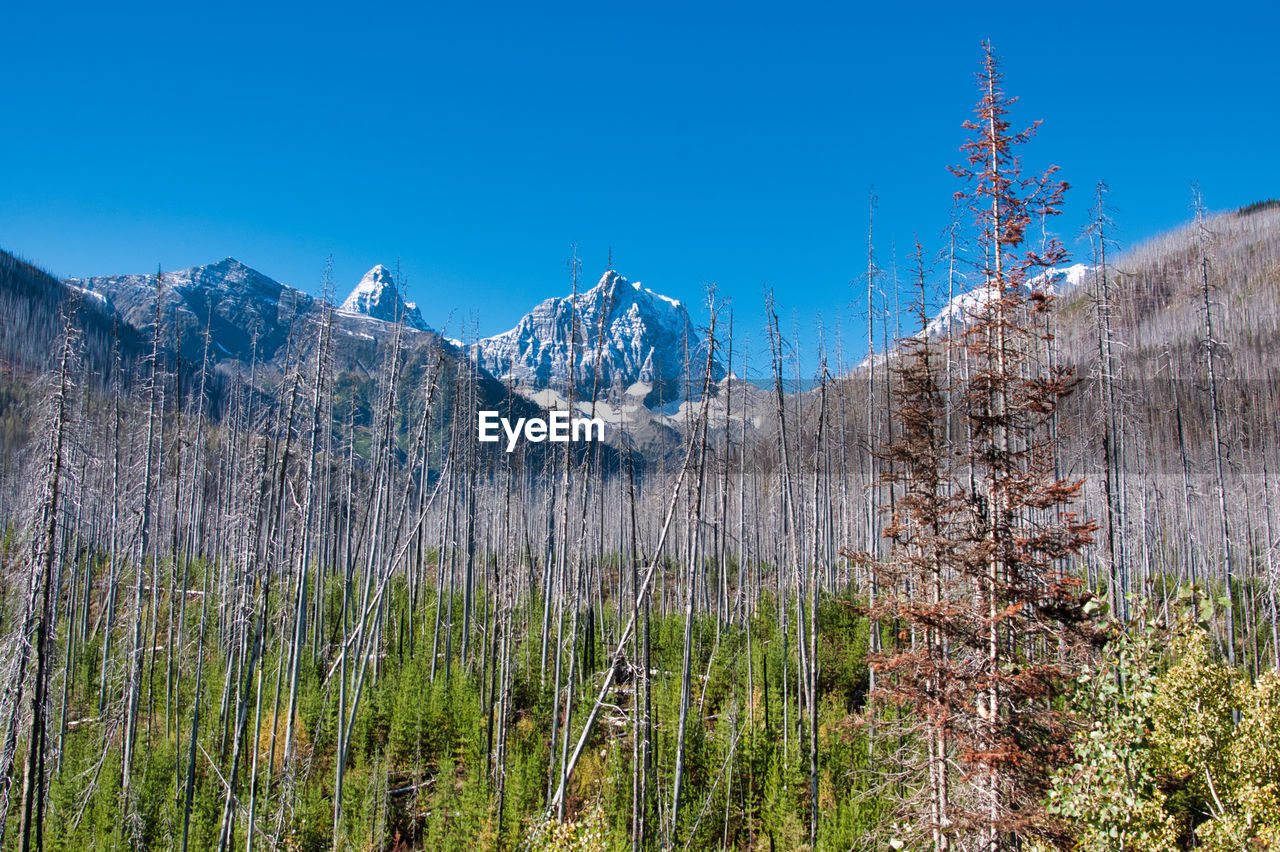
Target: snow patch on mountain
pixel 963 309
pixel 87 292
pixel 967 307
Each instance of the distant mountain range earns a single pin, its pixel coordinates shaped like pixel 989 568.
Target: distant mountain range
pixel 631 342
pixel 635 352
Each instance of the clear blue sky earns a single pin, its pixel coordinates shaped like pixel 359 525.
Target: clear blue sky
pixel 733 142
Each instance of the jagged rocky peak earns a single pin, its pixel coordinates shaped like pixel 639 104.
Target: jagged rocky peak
pixel 378 296
pixel 642 339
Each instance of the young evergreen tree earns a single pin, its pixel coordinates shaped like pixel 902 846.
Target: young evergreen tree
pixel 988 621
pixel 1021 524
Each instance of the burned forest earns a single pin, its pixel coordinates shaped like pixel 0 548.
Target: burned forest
pixel 1001 574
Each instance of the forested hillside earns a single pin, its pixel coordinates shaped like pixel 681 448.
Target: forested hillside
pixel 1013 586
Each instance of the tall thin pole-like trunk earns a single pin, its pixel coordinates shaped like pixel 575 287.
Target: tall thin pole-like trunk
pixel 133 687
pixel 686 673
pixel 38 616
pixel 1220 448
pixel 1108 403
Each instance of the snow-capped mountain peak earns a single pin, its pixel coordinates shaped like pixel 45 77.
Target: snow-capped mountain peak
pixel 625 335
pixel 378 296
